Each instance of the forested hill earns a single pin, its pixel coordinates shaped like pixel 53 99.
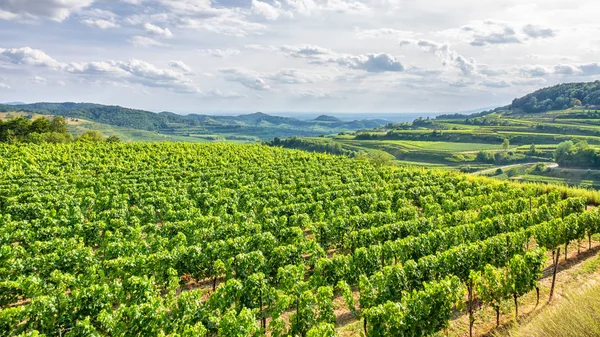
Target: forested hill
pixel 559 97
pixel 258 125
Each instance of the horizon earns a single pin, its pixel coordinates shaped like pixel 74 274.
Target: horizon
pixel 301 57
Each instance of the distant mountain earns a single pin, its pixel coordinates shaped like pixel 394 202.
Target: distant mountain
pixel 325 118
pixel 258 125
pixel 13 103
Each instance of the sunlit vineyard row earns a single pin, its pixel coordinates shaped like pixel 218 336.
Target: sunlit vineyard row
pixel 248 240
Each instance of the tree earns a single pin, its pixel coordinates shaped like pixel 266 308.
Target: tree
pixel 40 125
pixel 532 149
pixel 58 124
pixel 91 136
pixel 113 139
pixel 505 144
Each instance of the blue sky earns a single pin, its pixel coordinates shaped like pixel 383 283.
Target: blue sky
pixel 294 55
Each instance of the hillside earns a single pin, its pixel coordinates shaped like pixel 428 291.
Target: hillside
pixel 507 142
pixel 256 126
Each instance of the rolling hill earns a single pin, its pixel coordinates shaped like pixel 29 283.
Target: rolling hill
pixel 248 127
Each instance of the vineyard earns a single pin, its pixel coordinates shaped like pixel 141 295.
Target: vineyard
pixel 247 240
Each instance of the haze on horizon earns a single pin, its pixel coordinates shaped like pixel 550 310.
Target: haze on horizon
pixel 294 55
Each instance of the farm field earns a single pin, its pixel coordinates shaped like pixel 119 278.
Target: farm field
pixel 174 239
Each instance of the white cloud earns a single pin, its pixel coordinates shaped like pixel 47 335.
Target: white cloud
pixel 373 63
pixel 294 76
pixel 268 11
pixel 221 53
pixel 216 93
pixel 384 32
pixel 158 31
pixel 315 94
pixel 538 32
pixel 534 71
pixel 181 66
pixel 39 80
pixel 132 71
pixel 224 25
pixel 495 84
pixel 5 86
pixel 143 41
pixel 100 23
pixel 249 79
pixel 28 56
pixel 57 10
pixel 448 56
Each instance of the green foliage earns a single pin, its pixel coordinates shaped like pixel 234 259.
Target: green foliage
pixel 91 136
pixel 242 324
pixel 41 130
pixel 558 97
pixel 322 330
pixel 578 154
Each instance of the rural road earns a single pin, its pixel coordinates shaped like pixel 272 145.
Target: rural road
pixel 548 165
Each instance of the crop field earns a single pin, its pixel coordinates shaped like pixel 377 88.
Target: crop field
pixel 172 239
pixel 444 146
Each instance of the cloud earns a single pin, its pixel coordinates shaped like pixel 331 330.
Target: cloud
pixel 216 93
pixel 447 56
pixel 307 7
pixel 4 86
pixel 181 66
pixel 132 71
pixel 221 53
pixel 590 69
pixel 314 94
pixel 384 32
pixel 224 25
pixel 269 12
pixel 28 56
pixel 507 35
pixel 57 10
pixel 536 32
pixel 495 83
pixel 528 82
pixel 534 71
pixel 293 76
pixel 566 69
pixel 582 69
pixel 158 31
pixel 143 41
pixel 135 72
pixel 247 78
pixel 100 23
pixel 39 80
pixel 372 63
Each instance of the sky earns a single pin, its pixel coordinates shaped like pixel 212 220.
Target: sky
pixel 294 55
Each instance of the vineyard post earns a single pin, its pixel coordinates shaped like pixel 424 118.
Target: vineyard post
pixel 497 308
pixel 516 306
pixel 554 273
pixel 471 318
